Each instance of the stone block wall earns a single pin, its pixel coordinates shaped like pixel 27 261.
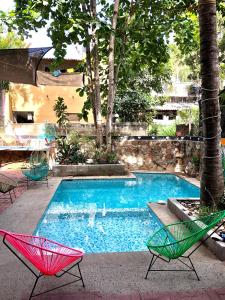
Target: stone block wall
pixel 160 155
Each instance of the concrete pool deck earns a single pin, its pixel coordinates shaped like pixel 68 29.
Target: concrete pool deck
pixel 107 276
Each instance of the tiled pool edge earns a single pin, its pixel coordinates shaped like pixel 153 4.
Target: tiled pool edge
pixel 192 180
pixel 218 248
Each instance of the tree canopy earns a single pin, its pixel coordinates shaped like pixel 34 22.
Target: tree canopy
pixel 142 35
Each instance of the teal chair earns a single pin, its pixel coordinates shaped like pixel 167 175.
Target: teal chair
pixel 38 169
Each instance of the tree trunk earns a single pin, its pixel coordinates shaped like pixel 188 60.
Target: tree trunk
pixel 212 184
pixel 90 83
pixel 92 61
pixel 97 96
pixel 111 92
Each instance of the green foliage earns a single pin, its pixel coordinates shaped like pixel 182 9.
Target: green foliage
pixel 131 107
pixel 60 109
pixel 163 130
pixel 153 129
pixel 68 150
pixel 135 106
pixel 190 48
pixel 4 85
pixel 206 210
pixel 196 161
pixel 85 109
pixel 178 68
pixel 141 53
pixel 102 156
pixel 10 40
pixel 189 116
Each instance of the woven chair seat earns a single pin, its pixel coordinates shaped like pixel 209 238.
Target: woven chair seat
pixel 174 240
pixel 4 187
pixel 47 256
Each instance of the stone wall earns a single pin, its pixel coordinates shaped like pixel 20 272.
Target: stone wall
pixel 160 155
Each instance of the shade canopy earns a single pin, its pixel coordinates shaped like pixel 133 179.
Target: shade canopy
pixel 20 65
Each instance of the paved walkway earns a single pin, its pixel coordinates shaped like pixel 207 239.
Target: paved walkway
pixel 209 294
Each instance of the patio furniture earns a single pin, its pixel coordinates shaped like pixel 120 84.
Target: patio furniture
pixel 38 173
pixel 172 241
pixel 7 186
pixel 48 257
pixel 37 168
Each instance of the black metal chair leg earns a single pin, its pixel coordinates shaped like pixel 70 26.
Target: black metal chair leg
pixel 150 265
pixel 80 275
pixel 193 268
pixel 34 286
pixel 10 197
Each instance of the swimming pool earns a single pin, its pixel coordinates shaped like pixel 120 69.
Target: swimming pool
pixel 109 215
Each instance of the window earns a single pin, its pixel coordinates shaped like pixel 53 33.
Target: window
pixel 23 116
pixel 159 117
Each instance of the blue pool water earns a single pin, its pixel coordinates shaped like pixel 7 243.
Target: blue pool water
pixel 109 215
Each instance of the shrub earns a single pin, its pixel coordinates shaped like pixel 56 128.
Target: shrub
pixel 60 109
pixel 68 150
pixel 102 156
pixel 196 161
pixel 166 130
pixel 206 210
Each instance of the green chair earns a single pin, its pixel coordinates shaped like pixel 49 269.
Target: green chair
pixel 172 241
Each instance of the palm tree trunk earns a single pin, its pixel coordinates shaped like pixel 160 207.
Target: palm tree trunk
pixel 111 92
pixel 212 184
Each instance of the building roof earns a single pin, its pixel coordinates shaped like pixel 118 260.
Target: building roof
pixel 174 106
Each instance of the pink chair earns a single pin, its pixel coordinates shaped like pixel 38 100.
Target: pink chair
pixel 48 257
